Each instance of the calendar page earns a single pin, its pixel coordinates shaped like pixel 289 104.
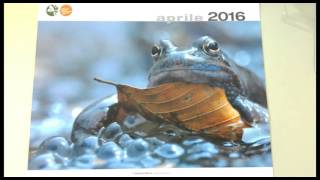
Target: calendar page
pixel 150 90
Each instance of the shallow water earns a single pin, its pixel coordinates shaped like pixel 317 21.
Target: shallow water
pixel 139 143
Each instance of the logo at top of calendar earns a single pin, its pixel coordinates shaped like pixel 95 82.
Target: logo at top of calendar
pixel 52 10
pixel 65 10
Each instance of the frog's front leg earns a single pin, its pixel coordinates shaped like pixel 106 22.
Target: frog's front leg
pixel 250 112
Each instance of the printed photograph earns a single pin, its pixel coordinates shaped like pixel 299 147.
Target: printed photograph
pixel 132 95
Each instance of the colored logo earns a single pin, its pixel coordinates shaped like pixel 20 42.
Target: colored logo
pixel 52 10
pixel 65 10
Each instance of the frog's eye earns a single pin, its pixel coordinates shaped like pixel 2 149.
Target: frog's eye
pixel 155 51
pixel 211 47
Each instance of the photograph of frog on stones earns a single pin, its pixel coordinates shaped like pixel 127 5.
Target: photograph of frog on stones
pixel 74 123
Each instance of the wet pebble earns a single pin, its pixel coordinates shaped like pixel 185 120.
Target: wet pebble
pixel 110 132
pixel 87 145
pixel 148 161
pixel 124 140
pixel 221 162
pixel 170 163
pixel 203 147
pixel 62 160
pixel 261 146
pixel 187 165
pixel 169 151
pixel 136 148
pixel 86 161
pixel 59 145
pixel 109 150
pixel 122 165
pixel 147 145
pixel 199 156
pixel 255 161
pixel 43 161
pixel 252 135
pixel 90 142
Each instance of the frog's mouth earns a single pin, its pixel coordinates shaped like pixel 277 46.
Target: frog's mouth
pixel 213 76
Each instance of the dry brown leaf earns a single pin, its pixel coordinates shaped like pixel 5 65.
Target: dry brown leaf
pixel 197 107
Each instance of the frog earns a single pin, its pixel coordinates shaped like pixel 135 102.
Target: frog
pixel 204 62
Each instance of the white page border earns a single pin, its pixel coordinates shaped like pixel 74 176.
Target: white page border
pixel 150 12
pixel 147 11
pixel 185 172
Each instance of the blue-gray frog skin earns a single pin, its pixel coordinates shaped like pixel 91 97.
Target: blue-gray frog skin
pixel 206 63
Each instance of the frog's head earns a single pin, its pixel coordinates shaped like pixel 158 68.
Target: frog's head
pixel 204 62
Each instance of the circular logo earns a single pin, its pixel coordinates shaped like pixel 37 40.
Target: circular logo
pixel 52 10
pixel 65 10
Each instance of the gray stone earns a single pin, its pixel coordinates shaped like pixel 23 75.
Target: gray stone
pixel 137 147
pixel 109 150
pixel 43 161
pixel 111 132
pixel 59 145
pixel 169 151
